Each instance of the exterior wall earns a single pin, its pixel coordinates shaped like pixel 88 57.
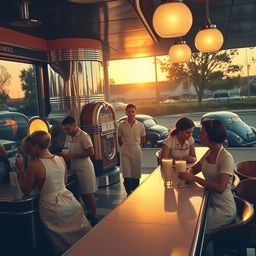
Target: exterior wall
pixel 148 91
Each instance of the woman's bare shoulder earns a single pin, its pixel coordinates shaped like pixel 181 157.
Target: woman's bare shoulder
pixel 35 164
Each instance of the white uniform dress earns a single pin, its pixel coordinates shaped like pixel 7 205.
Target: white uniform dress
pixel 60 212
pixel 82 166
pixel 176 151
pixel 222 207
pixel 131 154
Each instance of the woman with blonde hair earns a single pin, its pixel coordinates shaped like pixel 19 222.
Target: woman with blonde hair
pixel 60 213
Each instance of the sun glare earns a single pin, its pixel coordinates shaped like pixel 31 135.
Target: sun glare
pixel 139 70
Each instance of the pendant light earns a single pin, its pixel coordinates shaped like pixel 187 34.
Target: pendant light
pixel 172 19
pixel 179 52
pixel 209 38
pixel 25 20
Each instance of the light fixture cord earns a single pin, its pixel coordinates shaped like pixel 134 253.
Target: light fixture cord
pixel 207 13
pixel 207 9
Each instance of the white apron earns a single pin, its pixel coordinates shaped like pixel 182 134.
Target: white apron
pixel 60 212
pixel 131 158
pixel 222 207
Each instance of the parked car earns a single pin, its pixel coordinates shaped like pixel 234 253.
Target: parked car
pixel 119 105
pixel 169 101
pixel 13 126
pixel 239 134
pixel 224 97
pixel 155 133
pixel 11 149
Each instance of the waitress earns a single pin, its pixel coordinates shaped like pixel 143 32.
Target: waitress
pixel 217 166
pixel 180 143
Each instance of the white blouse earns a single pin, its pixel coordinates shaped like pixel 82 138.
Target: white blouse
pixel 176 151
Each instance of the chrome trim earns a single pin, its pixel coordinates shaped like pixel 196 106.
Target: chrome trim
pixel 19 213
pixel 78 54
pixel 200 226
pixel 109 178
pixel 144 21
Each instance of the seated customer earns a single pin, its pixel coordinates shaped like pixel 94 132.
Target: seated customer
pixel 61 214
pixel 180 143
pixel 217 166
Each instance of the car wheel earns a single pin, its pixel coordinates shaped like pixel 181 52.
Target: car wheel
pixel 148 144
pixel 226 144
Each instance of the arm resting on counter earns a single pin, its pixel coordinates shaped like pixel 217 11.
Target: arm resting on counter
pixel 218 186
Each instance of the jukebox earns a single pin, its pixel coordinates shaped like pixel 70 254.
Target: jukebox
pixel 98 120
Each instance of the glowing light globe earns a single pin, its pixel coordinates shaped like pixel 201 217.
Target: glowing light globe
pixel 173 19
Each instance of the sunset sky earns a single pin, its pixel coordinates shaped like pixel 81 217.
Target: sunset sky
pixel 128 71
pixel 143 70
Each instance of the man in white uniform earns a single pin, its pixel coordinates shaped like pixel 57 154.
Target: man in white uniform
pixel 131 133
pixel 80 149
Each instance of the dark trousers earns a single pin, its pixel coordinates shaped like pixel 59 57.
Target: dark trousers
pixel 131 184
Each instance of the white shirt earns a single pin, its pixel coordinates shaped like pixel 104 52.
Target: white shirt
pixel 222 207
pixel 79 143
pixel 131 134
pixel 175 149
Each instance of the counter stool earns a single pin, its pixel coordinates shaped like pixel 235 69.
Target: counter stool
pixel 236 181
pixel 231 237
pixel 246 189
pixel 246 169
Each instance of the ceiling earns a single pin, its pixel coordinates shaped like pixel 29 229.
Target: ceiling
pixel 124 26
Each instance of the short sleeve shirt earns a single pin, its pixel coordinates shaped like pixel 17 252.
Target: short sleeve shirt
pixel 175 149
pixel 79 143
pixel 131 134
pixel 224 164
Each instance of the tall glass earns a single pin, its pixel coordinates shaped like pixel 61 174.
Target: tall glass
pixel 166 171
pixel 180 166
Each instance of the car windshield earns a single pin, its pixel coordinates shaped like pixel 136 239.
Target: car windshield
pixel 233 120
pixel 149 122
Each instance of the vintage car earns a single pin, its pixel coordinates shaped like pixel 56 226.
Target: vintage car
pixel 239 134
pixel 11 149
pixel 118 105
pixel 13 126
pixel 155 133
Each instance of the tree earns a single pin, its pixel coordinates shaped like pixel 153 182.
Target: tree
pixel 111 81
pixel 205 71
pixel 29 86
pixel 5 79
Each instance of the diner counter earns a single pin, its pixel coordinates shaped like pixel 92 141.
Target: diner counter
pixel 153 220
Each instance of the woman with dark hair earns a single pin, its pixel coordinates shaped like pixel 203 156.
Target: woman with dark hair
pixel 180 144
pixel 61 214
pixel 217 166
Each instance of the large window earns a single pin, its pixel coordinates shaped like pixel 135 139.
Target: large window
pixel 18 98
